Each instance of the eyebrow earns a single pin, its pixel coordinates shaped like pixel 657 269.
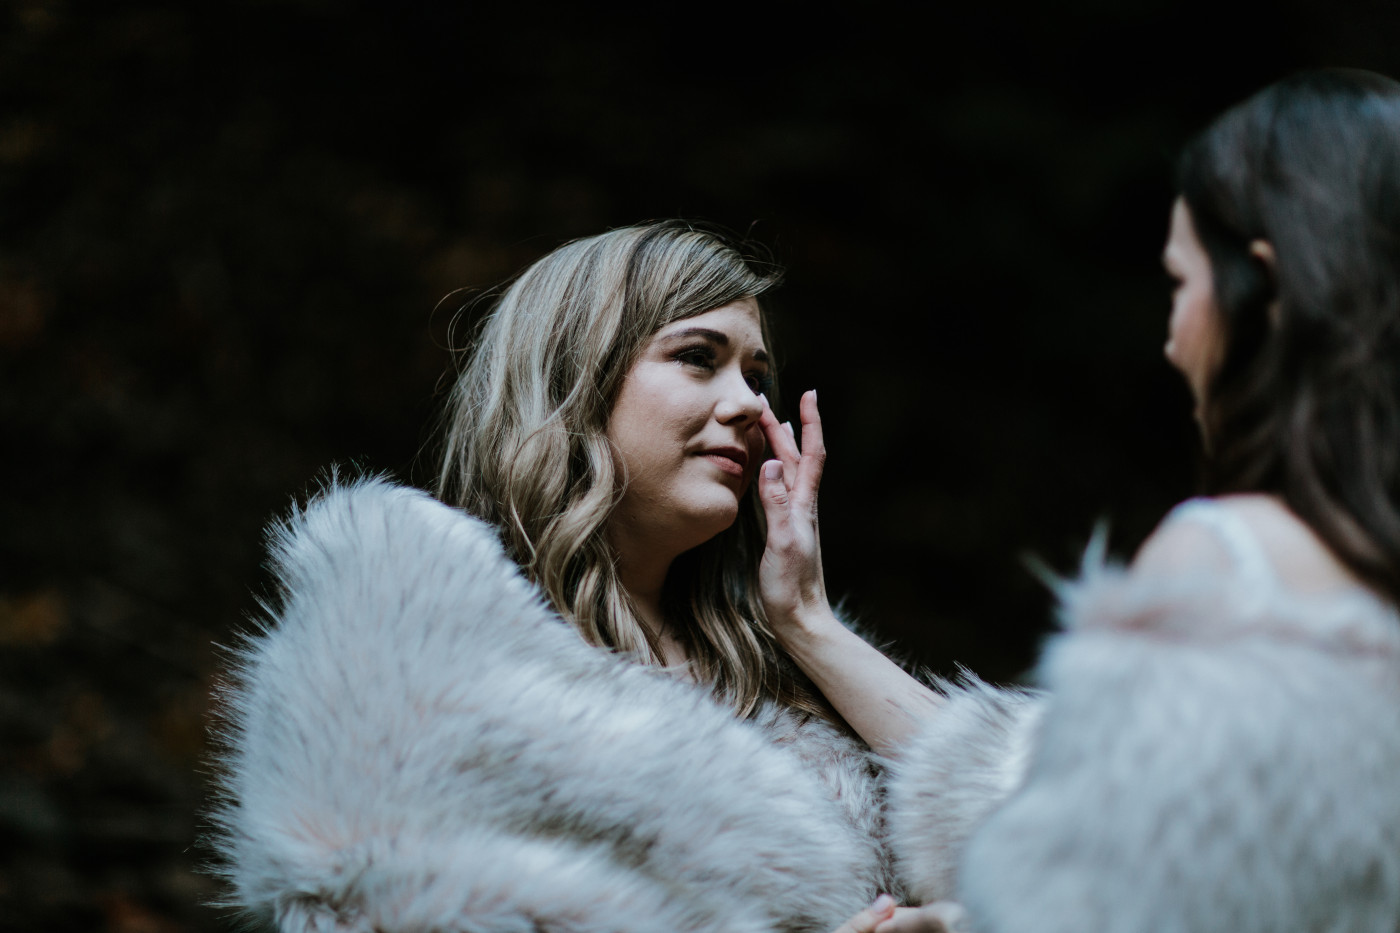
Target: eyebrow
pixel 714 336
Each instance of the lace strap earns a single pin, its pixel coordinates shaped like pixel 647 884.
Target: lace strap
pixel 1251 563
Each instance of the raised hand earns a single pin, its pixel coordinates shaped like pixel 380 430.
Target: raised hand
pixel 882 703
pixel 790 575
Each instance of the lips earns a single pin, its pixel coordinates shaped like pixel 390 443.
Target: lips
pixel 732 460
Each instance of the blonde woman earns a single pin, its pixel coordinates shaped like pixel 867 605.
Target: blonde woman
pixel 608 424
pixel 563 706
pixel 611 423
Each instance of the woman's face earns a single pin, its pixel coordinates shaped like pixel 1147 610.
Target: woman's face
pixel 685 426
pixel 1195 338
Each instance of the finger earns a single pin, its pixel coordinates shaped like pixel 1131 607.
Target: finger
pixel 781 441
pixel 773 493
pixel 929 919
pixel 813 442
pixel 909 920
pixel 870 917
pixel 813 449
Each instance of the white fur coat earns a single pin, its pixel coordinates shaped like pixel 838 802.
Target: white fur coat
pixel 1193 766
pixel 416 744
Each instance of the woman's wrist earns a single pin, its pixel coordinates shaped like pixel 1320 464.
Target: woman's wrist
pixel 806 626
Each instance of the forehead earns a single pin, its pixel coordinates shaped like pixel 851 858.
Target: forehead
pixel 740 321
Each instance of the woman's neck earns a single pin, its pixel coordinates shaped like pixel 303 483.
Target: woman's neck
pixel 643 576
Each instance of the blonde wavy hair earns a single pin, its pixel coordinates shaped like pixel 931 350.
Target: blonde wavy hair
pixel 527 450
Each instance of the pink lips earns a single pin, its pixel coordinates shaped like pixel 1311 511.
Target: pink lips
pixel 731 460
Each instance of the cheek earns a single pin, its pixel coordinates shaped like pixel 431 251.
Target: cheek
pixel 645 408
pixel 757 446
pixel 756 442
pixel 1188 332
pixel 1195 344
pixel 633 429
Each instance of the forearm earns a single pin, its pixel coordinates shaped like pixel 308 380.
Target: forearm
pixel 876 697
pixel 882 703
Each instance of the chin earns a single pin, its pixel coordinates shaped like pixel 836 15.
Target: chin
pixel 713 519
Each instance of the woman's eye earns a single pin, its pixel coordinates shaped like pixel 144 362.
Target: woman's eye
pixel 760 382
pixel 702 357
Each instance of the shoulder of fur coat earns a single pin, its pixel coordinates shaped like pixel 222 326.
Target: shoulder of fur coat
pixel 965 761
pixel 415 742
pixel 1196 768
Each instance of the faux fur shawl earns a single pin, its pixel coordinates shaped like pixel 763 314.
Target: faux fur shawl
pixel 415 742
pixel 1190 768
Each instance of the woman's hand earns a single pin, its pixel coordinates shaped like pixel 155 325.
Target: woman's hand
pixel 868 919
pixel 883 917
pixel 790 575
pixel 942 917
pixel 882 703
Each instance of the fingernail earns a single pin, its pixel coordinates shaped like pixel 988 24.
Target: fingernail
pixel 773 469
pixel 883 902
pixel 788 425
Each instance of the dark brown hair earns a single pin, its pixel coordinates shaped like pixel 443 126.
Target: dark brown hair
pixel 1306 403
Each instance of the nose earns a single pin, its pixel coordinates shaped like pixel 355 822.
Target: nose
pixel 738 403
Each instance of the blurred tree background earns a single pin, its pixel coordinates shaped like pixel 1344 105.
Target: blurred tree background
pixel 236 236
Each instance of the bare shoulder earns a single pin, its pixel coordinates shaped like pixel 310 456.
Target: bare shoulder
pixel 1293 551
pixel 1178 548
pixel 1299 557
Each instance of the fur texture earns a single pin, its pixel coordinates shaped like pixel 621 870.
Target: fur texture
pixel 1194 769
pixel 970 757
pixel 415 742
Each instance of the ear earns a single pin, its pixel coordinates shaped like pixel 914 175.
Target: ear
pixel 1263 251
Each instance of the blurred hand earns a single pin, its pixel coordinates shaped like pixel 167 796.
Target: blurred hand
pixel 867 920
pixel 942 917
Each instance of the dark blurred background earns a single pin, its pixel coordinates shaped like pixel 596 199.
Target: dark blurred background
pixel 227 231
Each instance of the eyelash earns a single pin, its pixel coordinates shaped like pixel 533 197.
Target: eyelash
pixel 705 356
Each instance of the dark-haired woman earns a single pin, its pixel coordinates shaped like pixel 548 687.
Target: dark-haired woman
pixel 1218 747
